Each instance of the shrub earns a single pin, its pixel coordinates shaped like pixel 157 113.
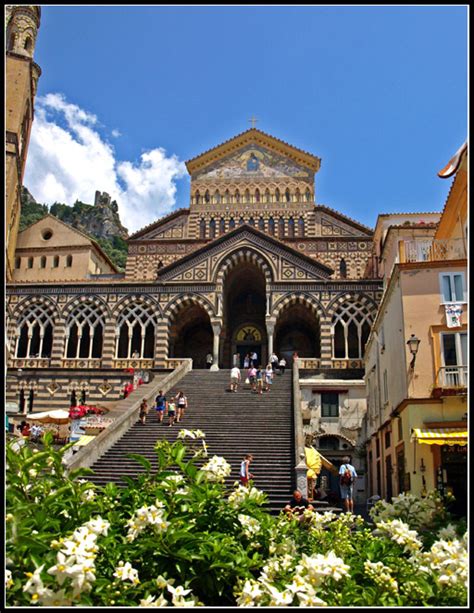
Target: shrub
pixel 176 535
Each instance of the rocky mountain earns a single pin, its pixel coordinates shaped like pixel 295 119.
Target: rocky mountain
pixel 100 221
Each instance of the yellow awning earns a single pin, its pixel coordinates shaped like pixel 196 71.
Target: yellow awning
pixel 84 440
pixel 439 436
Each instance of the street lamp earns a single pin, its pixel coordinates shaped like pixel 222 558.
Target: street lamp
pixel 413 343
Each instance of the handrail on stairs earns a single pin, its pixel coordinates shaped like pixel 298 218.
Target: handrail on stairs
pixel 300 463
pixel 104 441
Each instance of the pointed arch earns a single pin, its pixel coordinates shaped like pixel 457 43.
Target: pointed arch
pixel 291 227
pixel 233 259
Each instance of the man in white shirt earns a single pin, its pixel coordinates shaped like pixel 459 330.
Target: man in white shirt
pixel 254 358
pixel 234 379
pixel 274 361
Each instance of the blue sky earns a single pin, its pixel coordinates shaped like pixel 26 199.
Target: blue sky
pixel 378 93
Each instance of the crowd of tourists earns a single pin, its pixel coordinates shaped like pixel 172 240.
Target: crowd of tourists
pixel 259 378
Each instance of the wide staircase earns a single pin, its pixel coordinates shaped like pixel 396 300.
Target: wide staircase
pixel 234 423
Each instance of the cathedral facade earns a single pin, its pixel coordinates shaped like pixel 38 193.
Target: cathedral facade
pixel 254 264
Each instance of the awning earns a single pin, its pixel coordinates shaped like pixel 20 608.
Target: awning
pixel 439 436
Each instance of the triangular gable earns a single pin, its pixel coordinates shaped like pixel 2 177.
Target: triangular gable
pixel 170 226
pixel 334 223
pixel 285 263
pixel 62 234
pixel 256 137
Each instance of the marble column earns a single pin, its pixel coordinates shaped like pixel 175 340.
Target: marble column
pixel 216 328
pixel 270 323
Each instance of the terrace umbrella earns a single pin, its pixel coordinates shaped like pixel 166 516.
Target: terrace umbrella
pixel 58 416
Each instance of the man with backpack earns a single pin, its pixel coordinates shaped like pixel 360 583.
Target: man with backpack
pixel 347 476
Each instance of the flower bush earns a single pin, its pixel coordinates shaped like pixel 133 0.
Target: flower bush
pixel 178 536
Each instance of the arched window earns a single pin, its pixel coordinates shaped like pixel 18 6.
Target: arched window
pixel 237 196
pixel 277 195
pixel 291 227
pixel 222 226
pixel 217 197
pixel 350 329
pixel 159 265
pixel 257 195
pixel 30 262
pixel 207 197
pixel 85 332
pixel 231 223
pixel 135 332
pixel 301 226
pixel 308 195
pixel 241 221
pixel 202 228
pixel 298 195
pixel 197 197
pixel 12 41
pixel 69 261
pixel 35 332
pixel 268 197
pixel 227 196
pixel 261 224
pixel 56 261
pixel 281 227
pixel 343 268
pixel 212 228
pixel 247 195
pixel 28 44
pixel 287 195
pixel 17 263
pixel 271 226
pixel 251 222
pixel 43 262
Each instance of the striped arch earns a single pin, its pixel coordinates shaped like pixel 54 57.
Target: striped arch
pixel 95 301
pixel 128 300
pixel 175 305
pixel 243 255
pixel 364 300
pixel 32 301
pixel 299 297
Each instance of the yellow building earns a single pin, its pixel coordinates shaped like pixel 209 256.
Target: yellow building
pixel 22 74
pixel 416 355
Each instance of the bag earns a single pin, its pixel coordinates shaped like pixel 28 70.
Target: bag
pixel 247 381
pixel 346 477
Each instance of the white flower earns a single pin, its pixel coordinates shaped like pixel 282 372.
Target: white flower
pixel 250 594
pixel 217 469
pixel 151 602
pixel 56 599
pixel 250 525
pixel 319 567
pixel 60 570
pixel 277 598
pixel 126 572
pixel 81 574
pixel 87 495
pixel 34 585
pixel 447 533
pixel 401 534
pixel 98 526
pixel 162 582
pixel 8 578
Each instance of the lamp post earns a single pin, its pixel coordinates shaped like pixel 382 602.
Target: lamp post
pixel 413 343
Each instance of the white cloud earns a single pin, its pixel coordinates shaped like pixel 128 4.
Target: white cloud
pixel 68 159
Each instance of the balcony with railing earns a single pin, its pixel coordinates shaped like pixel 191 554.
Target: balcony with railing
pixel 430 250
pixel 451 380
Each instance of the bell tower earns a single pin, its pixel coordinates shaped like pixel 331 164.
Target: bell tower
pixel 22 74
